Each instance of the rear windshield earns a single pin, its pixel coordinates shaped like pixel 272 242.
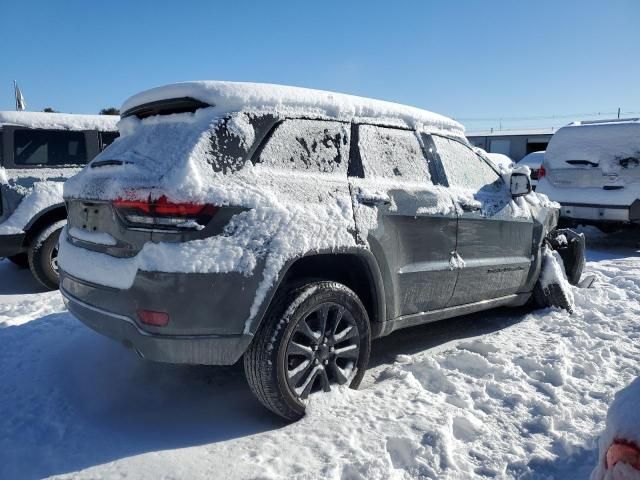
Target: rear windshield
pixel 155 145
pixel 49 148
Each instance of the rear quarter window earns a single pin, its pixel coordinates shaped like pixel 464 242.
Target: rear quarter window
pixel 308 146
pixel 392 153
pixel 49 148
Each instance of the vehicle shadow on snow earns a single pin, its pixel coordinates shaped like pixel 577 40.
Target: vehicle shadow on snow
pixel 22 280
pixel 71 399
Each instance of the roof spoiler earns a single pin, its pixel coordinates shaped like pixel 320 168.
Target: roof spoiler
pixel 166 107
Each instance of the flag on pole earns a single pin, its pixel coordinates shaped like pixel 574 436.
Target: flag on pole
pixel 20 103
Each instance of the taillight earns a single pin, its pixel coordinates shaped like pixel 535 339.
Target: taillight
pixel 165 214
pixel 541 172
pixel 625 452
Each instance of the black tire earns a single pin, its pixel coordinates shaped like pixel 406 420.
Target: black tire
pixel 294 320
pixel 552 296
pixel 43 253
pixel 572 253
pixel 21 260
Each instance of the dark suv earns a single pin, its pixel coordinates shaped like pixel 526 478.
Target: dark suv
pixel 290 226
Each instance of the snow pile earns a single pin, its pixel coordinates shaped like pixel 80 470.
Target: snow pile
pixel 502 394
pixel 60 121
pixel 4 179
pixel 623 423
pixel 38 198
pixel 235 96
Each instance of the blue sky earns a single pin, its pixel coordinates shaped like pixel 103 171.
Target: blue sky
pixel 466 59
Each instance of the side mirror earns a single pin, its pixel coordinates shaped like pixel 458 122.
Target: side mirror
pixel 520 184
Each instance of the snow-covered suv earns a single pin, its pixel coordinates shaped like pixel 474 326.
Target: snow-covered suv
pixel 38 152
pixel 292 226
pixel 593 170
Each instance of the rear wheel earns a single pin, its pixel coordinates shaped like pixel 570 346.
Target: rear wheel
pixel 43 255
pixel 21 260
pixel 314 338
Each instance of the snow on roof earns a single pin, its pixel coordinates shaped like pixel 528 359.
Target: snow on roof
pixel 234 96
pixel 60 121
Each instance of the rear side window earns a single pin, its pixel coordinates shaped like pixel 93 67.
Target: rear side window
pixel 308 145
pixel 392 153
pixel 107 138
pixel 463 167
pixel 49 147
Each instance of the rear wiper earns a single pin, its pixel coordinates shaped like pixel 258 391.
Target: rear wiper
pixel 582 162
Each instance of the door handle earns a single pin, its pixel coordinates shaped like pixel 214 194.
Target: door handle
pixel 374 200
pixel 470 207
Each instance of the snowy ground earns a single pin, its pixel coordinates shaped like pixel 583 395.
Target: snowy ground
pixel 503 394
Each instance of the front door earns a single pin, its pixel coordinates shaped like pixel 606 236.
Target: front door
pixel 494 243
pixel 407 221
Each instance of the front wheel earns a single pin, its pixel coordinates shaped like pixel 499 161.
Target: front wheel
pixel 43 255
pixel 314 338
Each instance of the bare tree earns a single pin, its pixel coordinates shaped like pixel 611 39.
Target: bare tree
pixel 110 111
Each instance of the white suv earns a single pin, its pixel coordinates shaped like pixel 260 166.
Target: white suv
pixel 593 170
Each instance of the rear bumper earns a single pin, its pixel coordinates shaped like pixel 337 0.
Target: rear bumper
pixel 204 326
pixel 11 244
pixel 595 213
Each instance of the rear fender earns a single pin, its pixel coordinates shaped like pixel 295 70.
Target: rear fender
pixel 377 310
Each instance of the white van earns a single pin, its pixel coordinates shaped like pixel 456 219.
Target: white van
pixel 593 170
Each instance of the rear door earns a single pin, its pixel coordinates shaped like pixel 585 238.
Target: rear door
pixel 408 222
pixel 494 242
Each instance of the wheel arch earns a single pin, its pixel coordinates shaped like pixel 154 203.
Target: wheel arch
pixel 49 215
pixel 354 268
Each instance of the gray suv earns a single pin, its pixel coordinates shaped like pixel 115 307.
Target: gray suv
pixel 38 152
pixel 291 227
